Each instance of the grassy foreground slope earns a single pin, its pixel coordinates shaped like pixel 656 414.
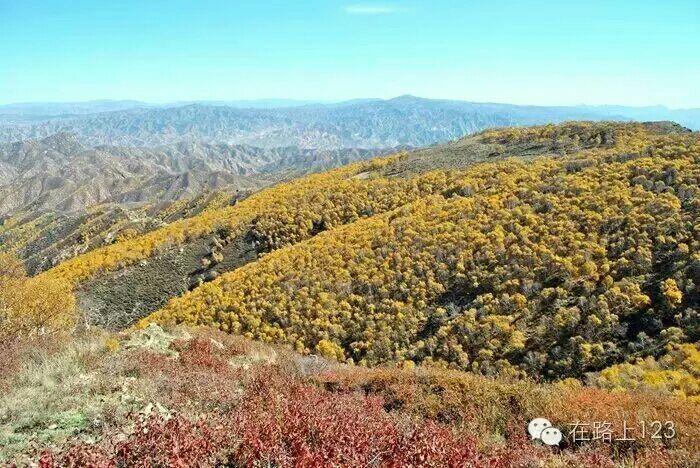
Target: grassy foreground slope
pixel 199 397
pixel 550 266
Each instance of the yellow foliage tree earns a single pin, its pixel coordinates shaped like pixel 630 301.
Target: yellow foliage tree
pixel 676 372
pixel 32 306
pixel 670 290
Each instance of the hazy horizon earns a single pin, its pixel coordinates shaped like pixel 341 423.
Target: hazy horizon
pixel 289 102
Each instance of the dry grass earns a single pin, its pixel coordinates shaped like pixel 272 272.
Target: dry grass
pixel 52 394
pixel 81 402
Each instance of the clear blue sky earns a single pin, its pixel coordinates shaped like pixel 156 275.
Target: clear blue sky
pixel 527 52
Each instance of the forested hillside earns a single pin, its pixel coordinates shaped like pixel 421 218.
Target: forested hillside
pixel 554 267
pixel 524 257
pixel 578 253
pixel 116 281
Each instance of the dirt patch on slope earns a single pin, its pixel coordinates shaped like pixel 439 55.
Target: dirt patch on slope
pixel 118 299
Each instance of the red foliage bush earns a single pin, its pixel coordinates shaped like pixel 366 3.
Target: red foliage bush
pixel 197 379
pixel 176 442
pixel 77 455
pixel 156 442
pixel 267 416
pixel 283 421
pixel 199 354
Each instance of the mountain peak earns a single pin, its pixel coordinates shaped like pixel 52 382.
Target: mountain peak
pixel 407 98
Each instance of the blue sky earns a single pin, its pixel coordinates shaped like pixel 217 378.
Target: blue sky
pixel 638 52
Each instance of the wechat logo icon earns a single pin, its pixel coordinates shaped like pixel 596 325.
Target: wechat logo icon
pixel 541 428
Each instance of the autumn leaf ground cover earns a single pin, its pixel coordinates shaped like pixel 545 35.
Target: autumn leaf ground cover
pixel 200 397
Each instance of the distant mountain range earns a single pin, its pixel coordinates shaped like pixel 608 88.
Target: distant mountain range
pixel 40 110
pixel 365 123
pixel 68 156
pixel 62 173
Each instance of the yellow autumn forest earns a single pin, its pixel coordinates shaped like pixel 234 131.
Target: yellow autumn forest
pixel 555 274
pixel 553 266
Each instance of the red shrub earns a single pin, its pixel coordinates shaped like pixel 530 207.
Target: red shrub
pixel 197 379
pixel 78 455
pixel 282 420
pixel 199 354
pixel 266 416
pixel 176 442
